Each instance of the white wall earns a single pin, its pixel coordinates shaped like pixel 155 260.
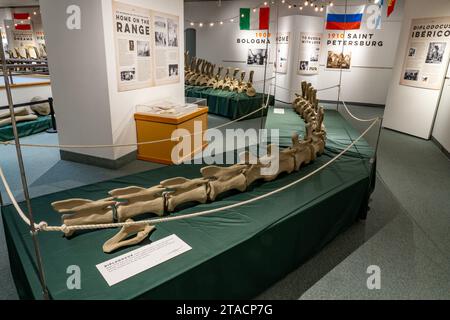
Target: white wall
pixel 368 81
pixel 122 104
pixel 5 14
pixel 83 73
pixel 25 94
pixel 78 75
pixel 441 130
pixel 412 110
pixel 286 82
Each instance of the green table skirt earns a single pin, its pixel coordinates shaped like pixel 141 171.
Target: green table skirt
pixel 26 128
pixel 232 105
pixel 339 133
pixel 236 254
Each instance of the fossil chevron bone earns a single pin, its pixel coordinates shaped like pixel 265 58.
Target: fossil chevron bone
pixel 128 203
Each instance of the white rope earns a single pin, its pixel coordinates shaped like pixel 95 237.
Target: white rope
pixel 318 90
pixel 22 215
pixel 100 146
pixel 66 229
pixel 261 81
pixel 356 118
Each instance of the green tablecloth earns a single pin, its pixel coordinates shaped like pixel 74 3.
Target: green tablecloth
pixel 26 128
pixel 339 133
pixel 236 254
pixel 232 105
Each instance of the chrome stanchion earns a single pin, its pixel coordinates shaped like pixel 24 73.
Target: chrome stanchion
pixel 265 78
pixel 33 230
pixel 340 71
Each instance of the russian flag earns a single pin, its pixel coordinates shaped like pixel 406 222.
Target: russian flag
pixel 339 19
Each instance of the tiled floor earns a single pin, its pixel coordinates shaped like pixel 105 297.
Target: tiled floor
pixel 406 233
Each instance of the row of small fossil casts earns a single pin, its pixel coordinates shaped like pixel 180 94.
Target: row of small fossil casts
pixel 125 204
pixel 200 72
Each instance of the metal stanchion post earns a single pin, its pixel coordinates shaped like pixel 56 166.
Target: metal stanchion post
pixel 265 79
pixel 11 77
pixel 373 163
pixel 52 114
pixel 378 139
pixel 340 73
pixel 22 174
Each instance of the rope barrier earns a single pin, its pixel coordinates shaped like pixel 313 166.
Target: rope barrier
pixel 101 146
pixel 262 81
pixel 318 90
pixel 65 229
pixel 43 226
pixel 19 210
pixel 356 118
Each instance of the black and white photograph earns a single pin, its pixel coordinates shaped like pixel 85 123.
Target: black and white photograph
pixel 315 55
pixel 160 39
pixel 411 75
pixel 131 45
pixel 304 65
pixel 143 49
pixel 257 57
pixel 412 52
pixel 128 75
pixel 160 23
pixel 160 32
pixel 436 52
pixel 172 26
pixel 173 70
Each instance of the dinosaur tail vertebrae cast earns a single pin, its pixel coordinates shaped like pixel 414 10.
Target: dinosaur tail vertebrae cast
pixel 199 72
pixel 123 205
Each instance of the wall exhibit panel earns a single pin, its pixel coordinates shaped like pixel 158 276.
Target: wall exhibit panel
pixel 78 75
pixel 366 83
pixel 123 104
pixel 441 130
pixel 412 110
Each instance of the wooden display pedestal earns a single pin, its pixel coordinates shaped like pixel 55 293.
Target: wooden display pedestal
pixel 156 127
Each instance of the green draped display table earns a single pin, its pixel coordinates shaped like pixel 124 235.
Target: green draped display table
pixel 236 254
pixel 26 128
pixel 232 105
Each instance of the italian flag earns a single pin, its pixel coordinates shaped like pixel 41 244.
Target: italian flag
pixel 22 21
pixel 256 19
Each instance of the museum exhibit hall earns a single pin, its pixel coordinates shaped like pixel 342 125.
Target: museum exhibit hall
pixel 225 150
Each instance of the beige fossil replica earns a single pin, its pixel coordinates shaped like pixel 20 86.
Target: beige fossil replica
pixel 123 205
pixel 212 83
pixel 224 80
pixel 199 72
pixel 21 114
pixel 123 238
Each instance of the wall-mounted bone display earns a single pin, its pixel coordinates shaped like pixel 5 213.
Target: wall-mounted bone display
pixel 163 199
pixel 199 72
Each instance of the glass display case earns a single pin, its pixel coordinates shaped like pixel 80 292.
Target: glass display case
pixel 170 109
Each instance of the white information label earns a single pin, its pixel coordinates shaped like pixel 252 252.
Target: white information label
pixel 132 263
pixel 278 111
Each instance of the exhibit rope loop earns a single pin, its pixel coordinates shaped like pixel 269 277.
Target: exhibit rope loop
pixel 355 117
pixel 66 229
pixel 175 139
pixel 318 90
pixel 19 210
